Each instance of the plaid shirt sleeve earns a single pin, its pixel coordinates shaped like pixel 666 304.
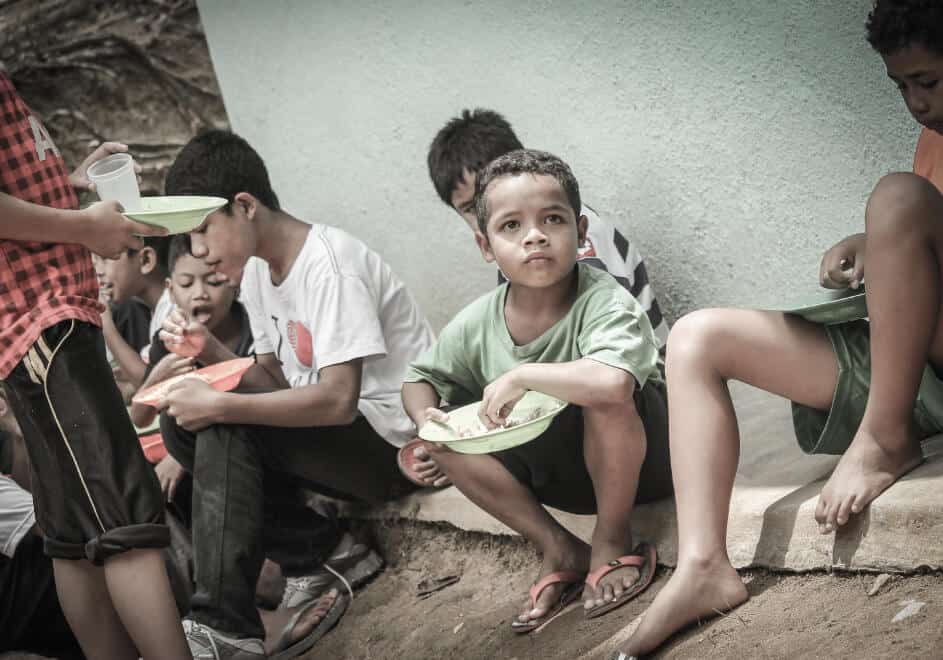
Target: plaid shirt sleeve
pixel 41 284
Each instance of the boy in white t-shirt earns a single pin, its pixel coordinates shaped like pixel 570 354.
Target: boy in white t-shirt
pixel 334 331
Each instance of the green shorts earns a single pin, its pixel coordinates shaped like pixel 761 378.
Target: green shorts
pixel 831 431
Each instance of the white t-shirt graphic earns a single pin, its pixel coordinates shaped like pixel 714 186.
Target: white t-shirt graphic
pixel 339 302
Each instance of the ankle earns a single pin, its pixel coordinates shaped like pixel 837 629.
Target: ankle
pixel 702 561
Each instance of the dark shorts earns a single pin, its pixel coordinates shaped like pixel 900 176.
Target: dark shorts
pixel 554 468
pixel 95 494
pixel 831 431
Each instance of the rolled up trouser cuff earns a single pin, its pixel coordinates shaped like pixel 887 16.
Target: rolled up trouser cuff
pixel 111 543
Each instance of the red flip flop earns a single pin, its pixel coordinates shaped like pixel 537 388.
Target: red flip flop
pixel 574 586
pixel 406 461
pixel 643 558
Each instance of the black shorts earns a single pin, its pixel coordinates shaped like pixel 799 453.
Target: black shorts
pixel 95 494
pixel 554 468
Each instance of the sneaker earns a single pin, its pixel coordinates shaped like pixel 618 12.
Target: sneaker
pixel 350 565
pixel 209 644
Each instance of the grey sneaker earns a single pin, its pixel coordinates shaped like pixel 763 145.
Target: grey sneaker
pixel 350 565
pixel 209 644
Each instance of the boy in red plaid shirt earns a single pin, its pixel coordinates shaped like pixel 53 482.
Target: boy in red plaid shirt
pixel 97 500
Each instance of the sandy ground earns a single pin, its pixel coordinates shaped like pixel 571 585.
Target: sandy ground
pixel 789 616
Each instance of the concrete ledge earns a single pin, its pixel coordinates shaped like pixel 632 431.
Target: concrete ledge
pixel 771 521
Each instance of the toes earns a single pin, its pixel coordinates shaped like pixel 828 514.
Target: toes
pixel 858 503
pixel 843 511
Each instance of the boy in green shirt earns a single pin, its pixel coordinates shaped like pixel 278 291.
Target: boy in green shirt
pixel 573 332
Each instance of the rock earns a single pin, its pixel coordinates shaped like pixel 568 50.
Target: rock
pixel 879 582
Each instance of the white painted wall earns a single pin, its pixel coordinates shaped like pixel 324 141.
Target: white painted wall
pixel 733 141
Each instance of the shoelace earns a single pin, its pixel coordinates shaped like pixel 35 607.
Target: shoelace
pixel 206 632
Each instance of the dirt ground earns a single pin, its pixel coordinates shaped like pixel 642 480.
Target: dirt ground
pixel 813 615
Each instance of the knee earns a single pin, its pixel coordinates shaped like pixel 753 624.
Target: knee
pixel 693 335
pixel 902 203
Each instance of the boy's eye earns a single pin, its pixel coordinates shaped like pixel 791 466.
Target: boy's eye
pixel 510 225
pixel 553 219
pixel 930 84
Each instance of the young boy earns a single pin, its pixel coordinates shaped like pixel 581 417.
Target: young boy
pixel 334 331
pixel 467 143
pixel 198 293
pixel 571 331
pixel 97 501
pixel 868 390
pixel 457 154
pixel 135 275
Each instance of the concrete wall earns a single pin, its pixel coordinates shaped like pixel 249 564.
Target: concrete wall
pixel 733 141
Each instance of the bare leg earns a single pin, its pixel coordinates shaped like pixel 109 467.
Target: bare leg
pixel 88 609
pixel 780 354
pixel 488 484
pixel 904 244
pixel 614 448
pixel 139 588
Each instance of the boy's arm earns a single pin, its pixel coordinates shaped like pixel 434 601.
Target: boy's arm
pixel 100 227
pixel 132 366
pixel 584 382
pixel 418 398
pixel 332 401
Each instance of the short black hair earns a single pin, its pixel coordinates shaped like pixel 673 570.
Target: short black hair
pixel 468 142
pixel 894 25
pixel 525 161
pixel 222 164
pixel 180 246
pixel 161 246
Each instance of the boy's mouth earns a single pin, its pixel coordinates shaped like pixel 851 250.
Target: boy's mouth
pixel 201 313
pixel 536 257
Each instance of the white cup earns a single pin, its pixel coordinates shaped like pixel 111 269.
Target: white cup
pixel 115 179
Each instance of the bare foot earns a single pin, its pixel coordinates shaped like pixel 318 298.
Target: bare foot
pixel 572 556
pixel 697 590
pixel 276 621
pixel 865 471
pixel 611 585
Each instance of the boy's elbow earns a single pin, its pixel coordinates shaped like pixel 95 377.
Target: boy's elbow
pixel 346 410
pixel 619 387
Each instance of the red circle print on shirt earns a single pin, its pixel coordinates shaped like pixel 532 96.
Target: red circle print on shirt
pixel 300 339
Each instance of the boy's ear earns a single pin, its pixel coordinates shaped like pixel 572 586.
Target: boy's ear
pixel 247 203
pixel 485 246
pixel 148 260
pixel 581 226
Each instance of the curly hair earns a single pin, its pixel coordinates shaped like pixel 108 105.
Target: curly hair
pixel 525 161
pixel 896 24
pixel 468 142
pixel 220 163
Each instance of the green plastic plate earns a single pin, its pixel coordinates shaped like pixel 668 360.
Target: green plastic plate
pixel 537 408
pixel 829 308
pixel 178 213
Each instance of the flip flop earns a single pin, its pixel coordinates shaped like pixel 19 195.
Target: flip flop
pixel 285 650
pixel 574 582
pixel 406 461
pixel 643 558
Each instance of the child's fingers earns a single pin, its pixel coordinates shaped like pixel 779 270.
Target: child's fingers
pixel 437 415
pixel 170 337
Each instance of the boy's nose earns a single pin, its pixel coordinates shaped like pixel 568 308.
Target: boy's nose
pixel 918 105
pixel 535 236
pixel 197 246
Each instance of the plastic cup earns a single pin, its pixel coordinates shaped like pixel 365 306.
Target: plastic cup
pixel 115 179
